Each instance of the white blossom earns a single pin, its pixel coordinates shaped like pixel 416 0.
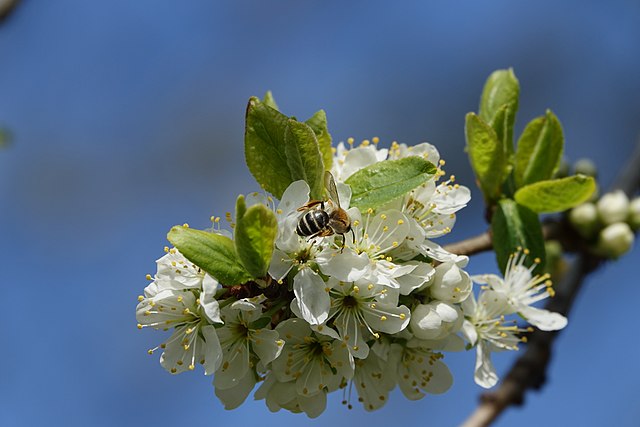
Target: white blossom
pixel 435 320
pixel 487 329
pixel 347 161
pixel 520 290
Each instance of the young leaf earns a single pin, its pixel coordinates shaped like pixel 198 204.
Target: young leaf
pixel 487 156
pixel 214 253
pixel 303 156
pixel 255 233
pixel 269 100
pixel 499 104
pixel 264 147
pixel 502 124
pixel 382 182
pixel 556 195
pixel 539 150
pixel 514 226
pixel 318 122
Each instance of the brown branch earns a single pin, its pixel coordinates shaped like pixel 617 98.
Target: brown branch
pixel 529 371
pixel 551 229
pixel 6 7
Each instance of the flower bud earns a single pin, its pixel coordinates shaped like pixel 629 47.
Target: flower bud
pixel 584 219
pixel 634 213
pixel 435 320
pixel 585 167
pixel 613 207
pixel 615 240
pixel 451 283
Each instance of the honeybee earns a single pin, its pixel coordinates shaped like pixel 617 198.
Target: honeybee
pixel 317 222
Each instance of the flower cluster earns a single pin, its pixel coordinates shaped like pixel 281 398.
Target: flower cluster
pixel 376 307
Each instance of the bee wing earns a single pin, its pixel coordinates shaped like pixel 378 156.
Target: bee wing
pixel 330 184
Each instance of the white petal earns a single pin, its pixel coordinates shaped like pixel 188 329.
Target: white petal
pixel 280 265
pixel 312 297
pixel 441 380
pixel 544 320
pixel 450 199
pixel 347 266
pixel 484 374
pixel 387 318
pixel 266 344
pixel 209 304
pixel 314 405
pixel 438 253
pixel 212 351
pixel 295 196
pixel 233 397
pixel 419 277
pixel 469 332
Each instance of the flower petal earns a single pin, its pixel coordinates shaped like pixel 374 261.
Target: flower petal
pixel 544 320
pixel 312 297
pixel 484 374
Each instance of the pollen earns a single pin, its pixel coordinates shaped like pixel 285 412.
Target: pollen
pixel 356 289
pixel 350 140
pixel 442 162
pixel 370 211
pixel 166 249
pixel 185 225
pixel 279 211
pixel 375 139
pixel 148 277
pixel 383 318
pixel 139 326
pixel 365 143
pixel 400 221
pixel 383 216
pixel 402 316
pixel 394 244
pixel 140 298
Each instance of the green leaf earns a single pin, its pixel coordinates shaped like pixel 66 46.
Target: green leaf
pixel 384 181
pixel 303 157
pixel 264 147
pixel 270 101
pixel 487 156
pixel 539 150
pixel 499 104
pixel 556 195
pixel 214 253
pixel 503 128
pixel 255 233
pixel 514 226
pixel 318 122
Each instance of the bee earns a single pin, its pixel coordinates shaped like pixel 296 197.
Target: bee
pixel 317 222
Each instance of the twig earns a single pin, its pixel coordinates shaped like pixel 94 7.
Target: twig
pixel 529 371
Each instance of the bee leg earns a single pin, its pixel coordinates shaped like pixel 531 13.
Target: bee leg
pixel 344 241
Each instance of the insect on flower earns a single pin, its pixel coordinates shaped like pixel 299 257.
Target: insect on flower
pixel 317 222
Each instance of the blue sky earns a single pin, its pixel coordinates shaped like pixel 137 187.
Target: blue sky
pixel 127 118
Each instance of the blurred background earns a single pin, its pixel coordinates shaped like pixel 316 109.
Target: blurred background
pixel 127 118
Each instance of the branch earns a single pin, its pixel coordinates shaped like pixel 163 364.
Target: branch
pixel 529 371
pixel 6 6
pixel 551 229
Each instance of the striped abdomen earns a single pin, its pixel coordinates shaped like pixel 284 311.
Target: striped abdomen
pixel 312 222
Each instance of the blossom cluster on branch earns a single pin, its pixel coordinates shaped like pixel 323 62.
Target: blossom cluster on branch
pixel 376 307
